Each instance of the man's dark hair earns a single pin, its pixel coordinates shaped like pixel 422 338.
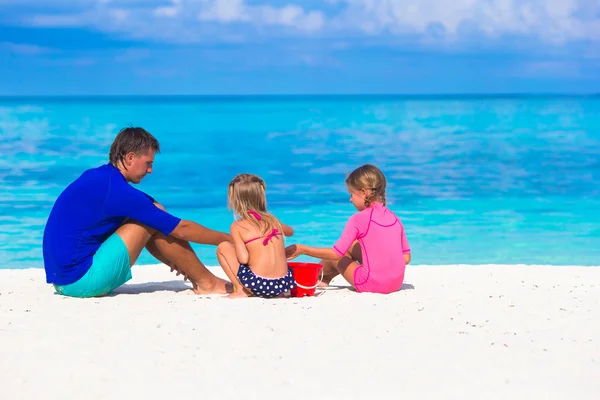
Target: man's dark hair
pixel 136 140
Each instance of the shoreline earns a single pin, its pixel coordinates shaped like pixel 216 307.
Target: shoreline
pixel 215 97
pixel 451 332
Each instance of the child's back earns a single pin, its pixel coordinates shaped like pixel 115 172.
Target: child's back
pixel 266 252
pixel 383 244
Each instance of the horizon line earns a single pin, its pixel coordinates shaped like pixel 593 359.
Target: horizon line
pixel 299 95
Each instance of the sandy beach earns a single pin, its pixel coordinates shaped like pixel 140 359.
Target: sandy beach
pixel 453 332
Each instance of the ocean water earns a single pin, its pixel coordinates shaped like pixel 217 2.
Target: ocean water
pixel 475 180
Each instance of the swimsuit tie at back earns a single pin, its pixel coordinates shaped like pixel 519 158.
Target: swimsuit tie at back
pixel 270 236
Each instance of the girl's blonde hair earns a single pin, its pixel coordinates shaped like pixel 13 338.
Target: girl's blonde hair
pixel 368 177
pixel 246 193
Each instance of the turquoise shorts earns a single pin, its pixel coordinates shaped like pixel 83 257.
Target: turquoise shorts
pixel 110 269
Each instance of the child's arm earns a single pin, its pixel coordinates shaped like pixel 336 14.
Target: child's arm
pixel 349 235
pixel 405 247
pixel 296 250
pixel 240 247
pixel 287 230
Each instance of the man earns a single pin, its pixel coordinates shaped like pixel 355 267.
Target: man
pixel 100 224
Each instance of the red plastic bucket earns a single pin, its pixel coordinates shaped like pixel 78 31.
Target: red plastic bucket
pixel 307 278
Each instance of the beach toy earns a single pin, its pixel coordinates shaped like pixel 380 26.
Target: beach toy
pixel 307 278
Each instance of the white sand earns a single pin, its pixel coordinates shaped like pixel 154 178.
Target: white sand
pixel 485 332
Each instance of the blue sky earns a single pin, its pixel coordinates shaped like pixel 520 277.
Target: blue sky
pixel 86 47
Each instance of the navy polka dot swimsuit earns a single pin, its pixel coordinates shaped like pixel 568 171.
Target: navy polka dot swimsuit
pixel 265 287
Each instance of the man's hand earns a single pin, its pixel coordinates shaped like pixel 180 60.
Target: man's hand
pixel 292 251
pixel 179 272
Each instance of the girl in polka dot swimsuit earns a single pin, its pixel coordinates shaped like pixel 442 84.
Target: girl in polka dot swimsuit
pixel 255 263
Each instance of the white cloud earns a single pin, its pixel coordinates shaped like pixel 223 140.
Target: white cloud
pixel 554 21
pixel 182 20
pixel 170 11
pixel 551 20
pixel 57 20
pixel 21 48
pixel 291 15
pixel 225 11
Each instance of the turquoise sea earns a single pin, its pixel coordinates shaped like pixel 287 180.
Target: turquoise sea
pixel 476 180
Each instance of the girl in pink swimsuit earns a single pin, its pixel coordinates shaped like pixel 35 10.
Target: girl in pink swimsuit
pixel 255 262
pixel 372 252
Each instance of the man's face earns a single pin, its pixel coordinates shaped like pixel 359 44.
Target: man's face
pixel 138 166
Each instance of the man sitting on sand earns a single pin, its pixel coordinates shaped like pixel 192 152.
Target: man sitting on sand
pixel 100 224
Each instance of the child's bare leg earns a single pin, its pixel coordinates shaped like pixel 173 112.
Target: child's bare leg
pixel 331 268
pixel 329 272
pixel 346 268
pixel 229 263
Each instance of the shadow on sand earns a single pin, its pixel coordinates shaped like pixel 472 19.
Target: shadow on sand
pixel 152 287
pixel 181 286
pixel 405 286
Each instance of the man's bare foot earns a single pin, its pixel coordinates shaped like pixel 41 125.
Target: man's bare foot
pixel 213 286
pixel 323 284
